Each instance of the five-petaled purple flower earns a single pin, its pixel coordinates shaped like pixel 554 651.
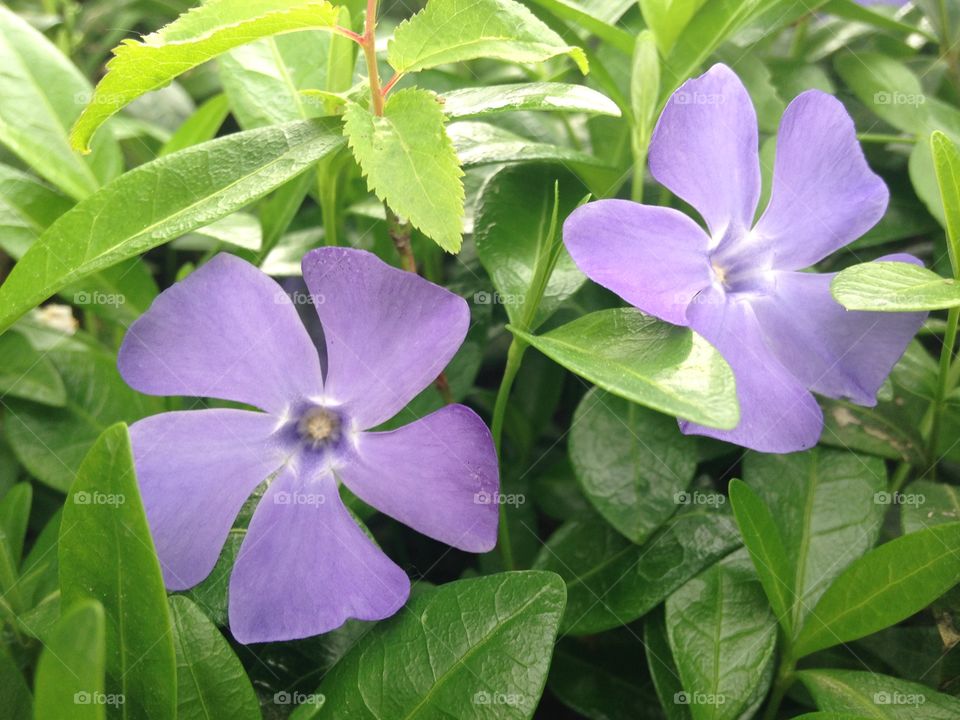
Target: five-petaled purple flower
pixel 738 284
pixel 229 331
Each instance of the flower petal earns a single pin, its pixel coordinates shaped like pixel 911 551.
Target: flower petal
pixel 305 567
pixel 227 331
pixel 195 470
pixel 389 333
pixel 833 351
pixel 824 194
pixel 655 258
pixel 777 413
pixel 437 475
pixel 704 149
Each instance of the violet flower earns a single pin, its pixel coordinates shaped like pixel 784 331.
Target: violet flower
pixel 229 331
pixel 737 283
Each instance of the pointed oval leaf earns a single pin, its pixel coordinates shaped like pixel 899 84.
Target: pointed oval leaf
pixel 27 373
pixel 894 287
pixel 874 696
pixel 541 96
pixel 107 554
pixel 162 200
pixel 199 35
pixel 448 31
pixel 924 504
pixel 483 644
pixel 646 361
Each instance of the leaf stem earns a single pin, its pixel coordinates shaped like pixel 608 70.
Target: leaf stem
pixel 348 33
pixel 369 45
pixel 781 684
pixel 943 387
pixel 887 139
pixel 399 233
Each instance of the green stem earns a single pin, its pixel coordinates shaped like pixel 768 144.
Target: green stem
pixel 639 172
pixel 900 477
pixel 327 191
pixel 943 388
pixel 369 46
pixel 781 684
pixel 886 139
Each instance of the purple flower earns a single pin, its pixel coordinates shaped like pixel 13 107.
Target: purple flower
pixel 737 283
pixel 229 331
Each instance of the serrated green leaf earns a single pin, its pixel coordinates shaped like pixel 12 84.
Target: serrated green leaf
pixel 541 96
pixel 211 682
pixel 197 36
pixel 448 31
pixel 42 95
pixel 160 201
pixel 410 162
pixel 876 697
pixel 646 361
pixel 722 636
pixel 483 647
pixel 107 554
pixel 598 562
pixel 70 672
pixel 631 462
pixel 885 586
pixel 894 287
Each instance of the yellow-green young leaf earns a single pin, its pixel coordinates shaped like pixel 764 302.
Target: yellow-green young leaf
pixel 894 287
pixel 448 31
pixel 410 163
pixel 946 160
pixel 668 18
pixel 198 35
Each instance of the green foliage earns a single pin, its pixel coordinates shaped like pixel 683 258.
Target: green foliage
pixel 894 287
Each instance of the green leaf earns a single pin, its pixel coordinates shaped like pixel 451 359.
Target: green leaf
pixel 599 20
pixel 42 94
pixel 946 160
pixel 512 228
pixel 410 163
pixel 28 206
pixel 70 674
pixel 199 127
pixel 106 553
pixel 448 31
pixel 765 545
pixel 612 582
pixel 825 504
pixel 27 373
pixel 663 669
pixel 887 585
pixel 723 637
pixel 646 361
pixel 831 716
pixel 894 287
pixel 541 96
pixel 874 696
pixel 197 36
pixel 480 143
pixel 668 18
pixel 14 515
pixel 644 92
pixel 851 10
pixel 480 646
pixel 160 201
pixel 52 442
pixel 925 504
pixel 211 682
pixel 38 572
pixel 14 693
pixel 632 463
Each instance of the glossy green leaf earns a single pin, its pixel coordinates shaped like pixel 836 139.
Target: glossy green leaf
pixel 925 504
pixel 611 581
pixel 644 93
pixel 646 361
pixel 480 143
pixel 894 287
pixel 663 669
pixel 668 18
pixel 512 227
pixel 631 462
pixel 14 694
pixel 410 163
pixel 480 646
pixel 27 373
pixel 211 682
pixel 42 95
pixel 70 674
pixel 765 545
pixel 28 206
pixel 598 19
pixel 946 160
pixel 877 697
pixel 828 509
pixel 52 442
pixel 106 553
pixel 448 31
pixel 39 575
pixel 14 514
pixel 160 201
pixel 887 585
pixel 542 96
pixel 722 635
pixel 197 36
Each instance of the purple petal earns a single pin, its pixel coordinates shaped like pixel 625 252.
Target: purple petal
pixel 654 258
pixel 437 475
pixel 389 333
pixel 834 351
pixel 824 194
pixel 227 331
pixel 195 470
pixel 305 567
pixel 777 413
pixel 704 150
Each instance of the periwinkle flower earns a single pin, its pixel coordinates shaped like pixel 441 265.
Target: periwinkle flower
pixel 738 283
pixel 229 331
